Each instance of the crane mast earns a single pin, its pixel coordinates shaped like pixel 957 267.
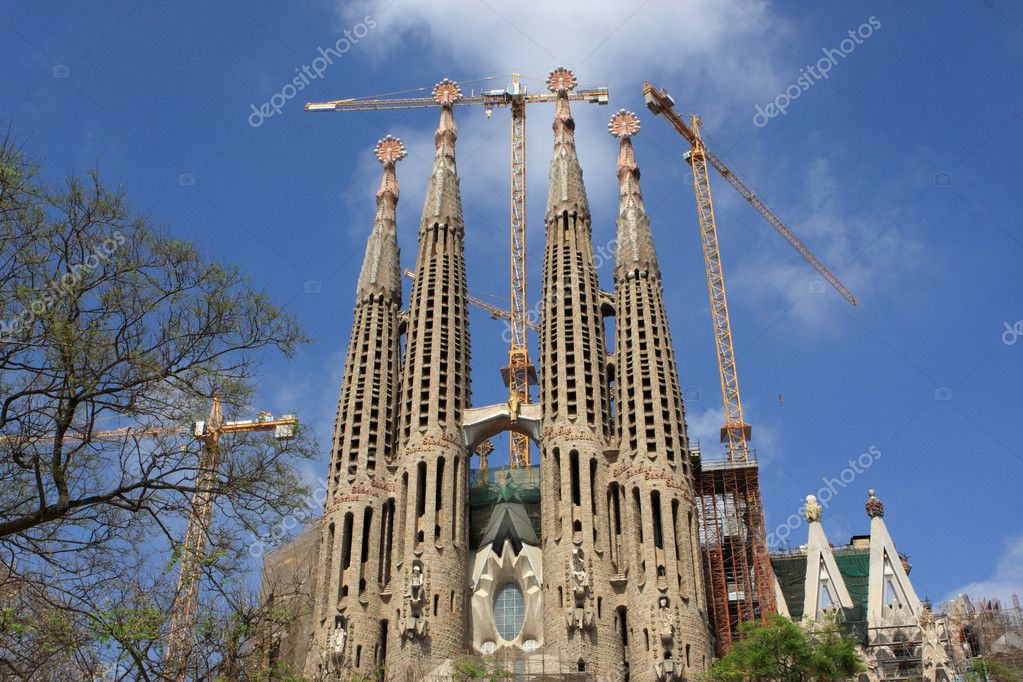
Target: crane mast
pixel 520 371
pixel 519 374
pixel 193 550
pixel 736 431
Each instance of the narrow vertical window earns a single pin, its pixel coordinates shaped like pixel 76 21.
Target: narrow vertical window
pixel 438 498
pixel 557 472
pixel 574 473
pixel 637 512
pixel 655 512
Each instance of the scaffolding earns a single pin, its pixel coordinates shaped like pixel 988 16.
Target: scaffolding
pixel 732 536
pixel 545 665
pixel 986 629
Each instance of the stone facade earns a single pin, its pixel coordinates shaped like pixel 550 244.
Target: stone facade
pixel 610 582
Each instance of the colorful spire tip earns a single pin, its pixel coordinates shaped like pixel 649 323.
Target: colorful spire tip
pixel 390 150
pixel 561 79
pixel 446 92
pixel 623 124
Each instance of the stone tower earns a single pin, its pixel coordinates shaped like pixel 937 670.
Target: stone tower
pixel 652 489
pixel 355 560
pixel 431 469
pixel 575 393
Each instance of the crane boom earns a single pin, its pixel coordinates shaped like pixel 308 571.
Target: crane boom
pixel 659 102
pixel 592 95
pixel 194 546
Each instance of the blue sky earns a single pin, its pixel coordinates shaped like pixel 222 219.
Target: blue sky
pixel 897 169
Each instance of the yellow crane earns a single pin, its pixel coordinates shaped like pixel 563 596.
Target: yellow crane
pixel 519 373
pixel 194 548
pixel 735 432
pixel 733 537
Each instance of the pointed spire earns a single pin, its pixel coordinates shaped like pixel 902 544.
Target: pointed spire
pixel 381 274
pixel 565 191
pixel 635 242
pixel 443 203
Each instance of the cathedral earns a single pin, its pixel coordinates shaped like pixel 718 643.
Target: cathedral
pixel 589 565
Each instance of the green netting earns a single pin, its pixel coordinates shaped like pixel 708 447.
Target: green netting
pixel 791 574
pixel 855 570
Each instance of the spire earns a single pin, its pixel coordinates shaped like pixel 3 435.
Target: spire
pixel 635 242
pixel 443 204
pixel 566 191
pixel 381 275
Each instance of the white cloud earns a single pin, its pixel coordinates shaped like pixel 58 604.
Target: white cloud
pixel 1005 580
pixel 698 42
pixel 720 58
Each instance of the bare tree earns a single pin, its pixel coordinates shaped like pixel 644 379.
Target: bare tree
pixel 107 321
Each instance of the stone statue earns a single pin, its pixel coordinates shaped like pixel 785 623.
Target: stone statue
pixel 933 658
pixel 578 616
pixel 415 599
pixel 667 670
pixel 337 644
pixel 666 621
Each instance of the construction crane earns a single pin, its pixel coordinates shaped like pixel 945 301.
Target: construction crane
pixel 496 312
pixel 194 548
pixel 519 373
pixel 735 432
pixel 733 534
